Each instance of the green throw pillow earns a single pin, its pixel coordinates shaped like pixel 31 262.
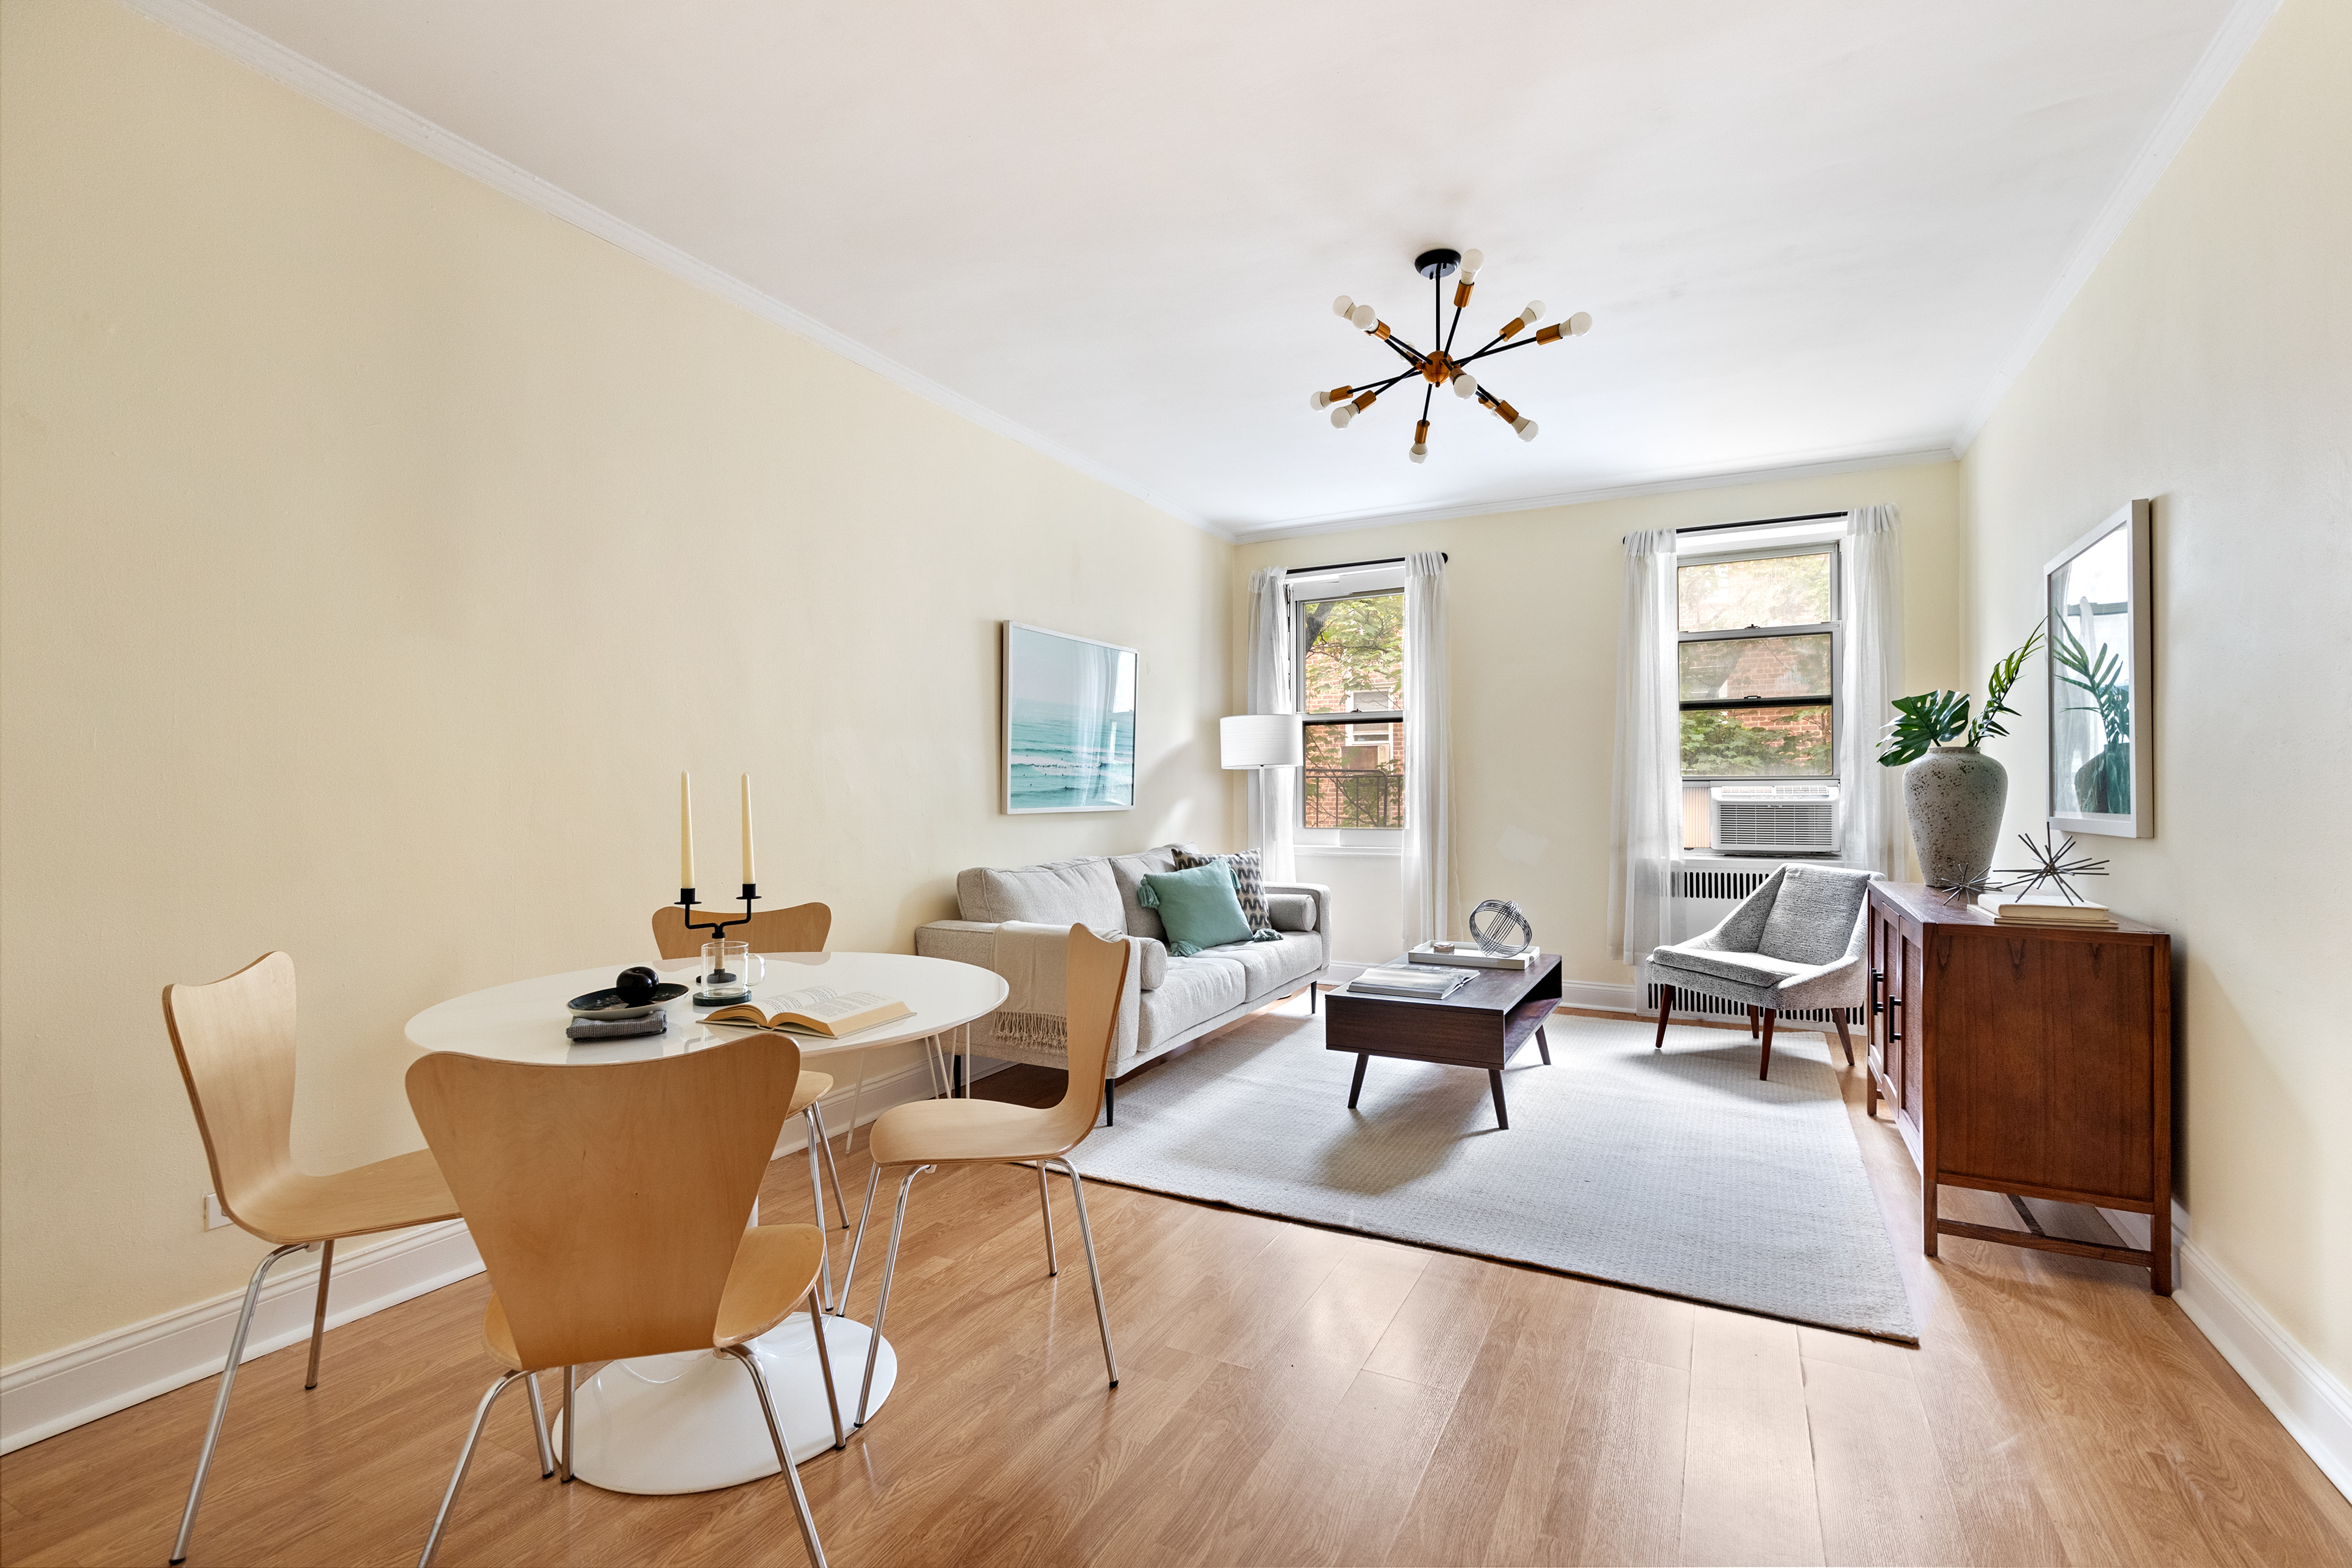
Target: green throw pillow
pixel 1198 907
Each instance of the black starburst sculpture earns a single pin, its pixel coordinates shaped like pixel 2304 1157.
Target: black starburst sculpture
pixel 2053 866
pixel 1439 366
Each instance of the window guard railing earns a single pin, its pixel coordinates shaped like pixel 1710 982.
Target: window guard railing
pixel 1351 797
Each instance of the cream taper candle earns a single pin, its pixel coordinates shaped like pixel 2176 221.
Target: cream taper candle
pixel 685 832
pixel 750 875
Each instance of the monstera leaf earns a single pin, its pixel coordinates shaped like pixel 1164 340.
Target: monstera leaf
pixel 1927 720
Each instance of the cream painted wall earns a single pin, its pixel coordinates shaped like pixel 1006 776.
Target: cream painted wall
pixel 377 552
pixel 1533 601
pixel 2208 365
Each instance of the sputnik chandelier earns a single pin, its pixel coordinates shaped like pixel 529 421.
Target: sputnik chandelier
pixel 1439 366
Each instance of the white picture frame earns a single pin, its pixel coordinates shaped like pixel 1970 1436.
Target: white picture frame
pixel 1069 713
pixel 2098 595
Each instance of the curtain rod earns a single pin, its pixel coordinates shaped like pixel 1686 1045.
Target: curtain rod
pixel 1760 522
pixel 1344 565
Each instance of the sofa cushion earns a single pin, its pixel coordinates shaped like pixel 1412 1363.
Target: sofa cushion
pixel 1812 916
pixel 1055 893
pixel 1271 966
pixel 1194 991
pixel 1200 907
pixel 1290 911
pixel 1129 871
pixel 1248 884
pixel 1742 968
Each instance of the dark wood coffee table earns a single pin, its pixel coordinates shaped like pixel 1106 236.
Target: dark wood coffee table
pixel 1479 1026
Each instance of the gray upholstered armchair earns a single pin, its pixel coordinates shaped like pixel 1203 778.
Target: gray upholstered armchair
pixel 1794 943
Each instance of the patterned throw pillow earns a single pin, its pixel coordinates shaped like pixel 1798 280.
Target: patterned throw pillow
pixel 1248 884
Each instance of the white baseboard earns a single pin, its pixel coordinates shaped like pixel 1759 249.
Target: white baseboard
pixel 2309 1401
pixel 47 1394
pixel 1605 998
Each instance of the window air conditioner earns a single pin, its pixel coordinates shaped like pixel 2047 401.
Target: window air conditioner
pixel 1775 819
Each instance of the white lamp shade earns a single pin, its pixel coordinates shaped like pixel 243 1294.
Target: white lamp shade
pixel 1261 741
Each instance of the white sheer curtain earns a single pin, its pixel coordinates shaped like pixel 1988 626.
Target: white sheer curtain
pixel 1273 792
pixel 1872 674
pixel 1428 868
pixel 1645 817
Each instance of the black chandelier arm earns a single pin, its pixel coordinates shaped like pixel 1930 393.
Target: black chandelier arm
pixel 1383 386
pixel 1412 355
pixel 1497 347
pixel 1425 396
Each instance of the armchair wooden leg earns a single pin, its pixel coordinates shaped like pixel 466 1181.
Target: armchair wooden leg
pixel 1764 1069
pixel 1665 1005
pixel 1844 1038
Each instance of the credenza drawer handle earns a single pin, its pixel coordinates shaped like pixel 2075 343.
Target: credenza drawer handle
pixel 1877 983
pixel 1893 1033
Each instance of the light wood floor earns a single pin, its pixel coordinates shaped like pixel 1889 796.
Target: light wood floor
pixel 1292 1395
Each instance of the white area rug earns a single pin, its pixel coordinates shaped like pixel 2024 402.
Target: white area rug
pixel 1678 1173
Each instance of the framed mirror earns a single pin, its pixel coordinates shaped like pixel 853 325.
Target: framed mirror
pixel 2102 761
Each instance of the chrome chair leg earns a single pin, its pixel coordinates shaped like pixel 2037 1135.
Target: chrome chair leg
pixel 816 1190
pixel 882 1306
pixel 465 1462
pixel 783 1457
pixel 318 1318
pixel 824 1143
pixel 825 1364
pixel 538 1425
pixel 570 1383
pixel 1046 1207
pixel 1094 1273
pixel 841 1302
pixel 220 1400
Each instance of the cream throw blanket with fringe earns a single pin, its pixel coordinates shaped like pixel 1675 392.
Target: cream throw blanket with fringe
pixel 1035 960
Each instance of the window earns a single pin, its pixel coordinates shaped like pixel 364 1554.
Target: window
pixel 1757 655
pixel 1351 698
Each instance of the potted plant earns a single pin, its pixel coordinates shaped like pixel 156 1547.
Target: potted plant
pixel 1954 794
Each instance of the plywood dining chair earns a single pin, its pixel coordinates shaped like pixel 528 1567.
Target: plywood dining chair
pixel 928 1134
pixel 800 928
pixel 235 1042
pixel 608 1203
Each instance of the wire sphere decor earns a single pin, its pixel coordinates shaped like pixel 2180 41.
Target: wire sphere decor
pixel 1500 927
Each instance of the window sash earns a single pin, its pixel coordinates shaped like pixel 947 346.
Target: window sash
pixel 1834 628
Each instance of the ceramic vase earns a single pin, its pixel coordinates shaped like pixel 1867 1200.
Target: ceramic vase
pixel 1954 797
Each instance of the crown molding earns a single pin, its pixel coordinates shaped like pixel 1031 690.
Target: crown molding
pixel 2214 68
pixel 1342 523
pixel 258 52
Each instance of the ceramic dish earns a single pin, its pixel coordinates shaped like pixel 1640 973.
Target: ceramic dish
pixel 607 1006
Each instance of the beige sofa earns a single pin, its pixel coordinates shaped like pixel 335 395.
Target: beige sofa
pixel 1168 1000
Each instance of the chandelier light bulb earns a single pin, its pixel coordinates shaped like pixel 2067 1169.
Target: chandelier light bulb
pixel 1341 414
pixel 1318 400
pixel 1363 316
pixel 1526 427
pixel 1470 261
pixel 1466 384
pixel 1420 452
pixel 1580 324
pixel 1342 305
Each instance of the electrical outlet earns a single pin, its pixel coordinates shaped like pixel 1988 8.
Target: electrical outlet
pixel 214 1218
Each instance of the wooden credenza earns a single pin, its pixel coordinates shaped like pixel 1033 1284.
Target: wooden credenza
pixel 2024 1061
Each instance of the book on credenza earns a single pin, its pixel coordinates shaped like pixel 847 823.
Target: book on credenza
pixel 1420 982
pixel 1469 954
pixel 820 1010
pixel 2053 912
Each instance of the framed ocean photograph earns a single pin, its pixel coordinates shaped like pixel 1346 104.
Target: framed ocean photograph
pixel 1069 722
pixel 2101 653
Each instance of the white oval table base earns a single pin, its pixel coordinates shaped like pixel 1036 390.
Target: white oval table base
pixel 691 1422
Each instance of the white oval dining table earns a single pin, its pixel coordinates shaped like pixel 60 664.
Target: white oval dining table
pixel 691 1422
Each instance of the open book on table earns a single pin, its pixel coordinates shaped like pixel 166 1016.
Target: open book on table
pixel 819 1010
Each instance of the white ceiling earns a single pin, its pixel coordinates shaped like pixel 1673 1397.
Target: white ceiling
pixel 1810 231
